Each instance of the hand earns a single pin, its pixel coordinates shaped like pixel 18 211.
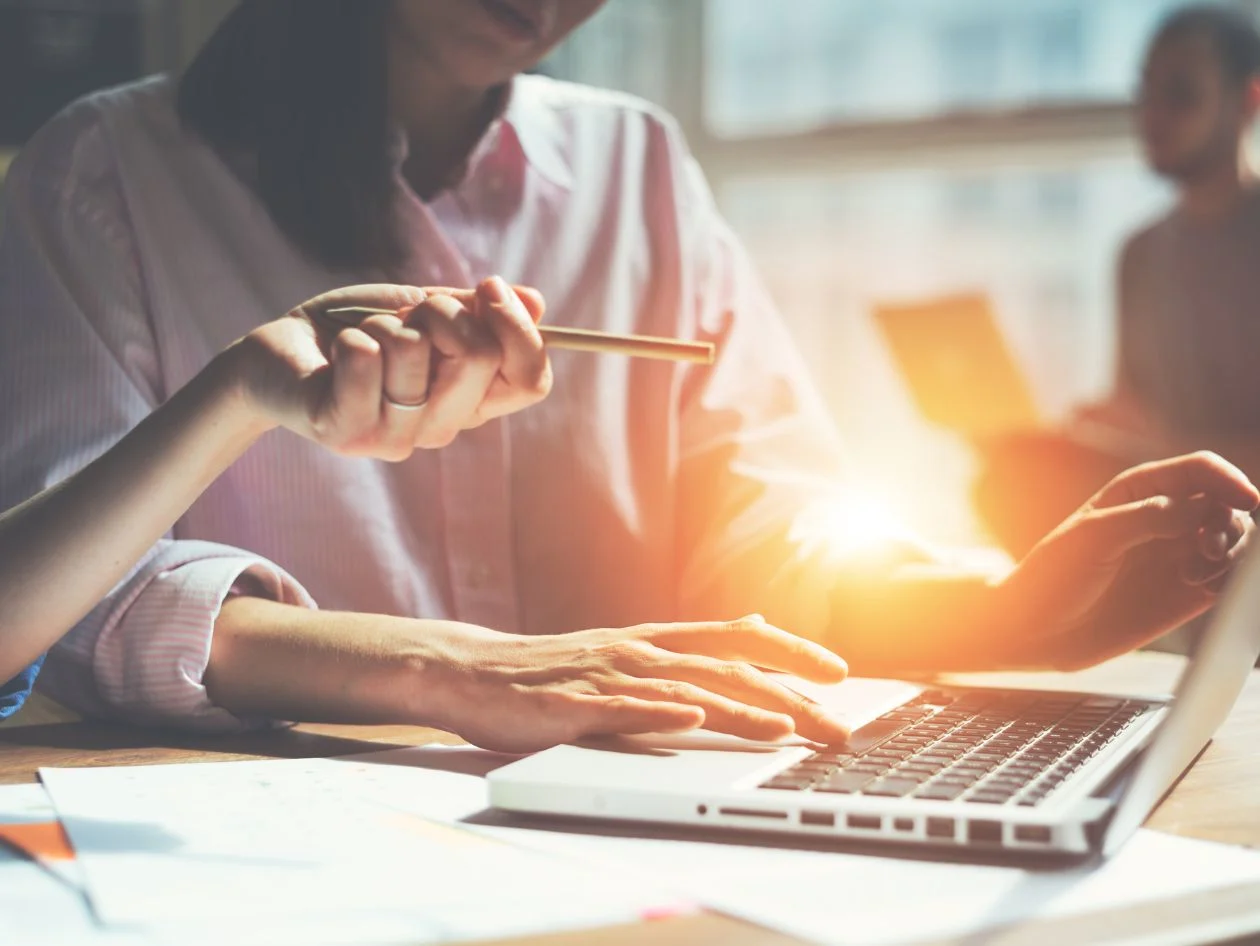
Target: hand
pixel 520 694
pixel 1150 552
pixel 448 361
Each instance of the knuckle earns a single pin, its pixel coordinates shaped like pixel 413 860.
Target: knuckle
pixel 741 674
pixel 542 382
pixel 747 626
pixel 676 691
pixel 627 653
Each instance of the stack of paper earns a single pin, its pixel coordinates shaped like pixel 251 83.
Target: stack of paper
pixel 398 847
pixel 268 843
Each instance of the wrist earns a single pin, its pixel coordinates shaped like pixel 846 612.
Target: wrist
pixel 441 674
pixel 233 377
pixel 1017 622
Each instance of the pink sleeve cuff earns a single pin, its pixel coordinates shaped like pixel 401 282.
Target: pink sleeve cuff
pixel 150 661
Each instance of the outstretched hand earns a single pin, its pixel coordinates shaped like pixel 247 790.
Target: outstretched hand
pixel 520 694
pixel 1147 554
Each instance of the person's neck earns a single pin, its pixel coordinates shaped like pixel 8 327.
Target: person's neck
pixel 1219 191
pixel 441 119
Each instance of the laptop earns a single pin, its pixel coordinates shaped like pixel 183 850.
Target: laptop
pixel 958 366
pixel 973 769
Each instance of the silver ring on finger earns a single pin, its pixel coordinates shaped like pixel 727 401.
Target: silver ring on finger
pixel 401 406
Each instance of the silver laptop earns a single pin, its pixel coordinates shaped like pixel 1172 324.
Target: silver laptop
pixel 1036 772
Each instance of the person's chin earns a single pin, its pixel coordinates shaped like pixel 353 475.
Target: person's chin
pixel 1168 166
pixel 485 68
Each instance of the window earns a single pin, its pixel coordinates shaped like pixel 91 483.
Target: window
pixel 987 53
pixel 971 62
pixel 1058 41
pixel 905 149
pixel 1052 295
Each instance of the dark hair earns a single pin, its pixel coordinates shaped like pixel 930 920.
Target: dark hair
pixel 300 88
pixel 1232 31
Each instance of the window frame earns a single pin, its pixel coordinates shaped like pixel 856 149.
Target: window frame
pixel 1063 132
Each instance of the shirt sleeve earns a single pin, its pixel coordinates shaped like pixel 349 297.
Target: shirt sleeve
pixel 764 489
pixel 79 366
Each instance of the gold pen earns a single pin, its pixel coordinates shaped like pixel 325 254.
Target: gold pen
pixel 577 339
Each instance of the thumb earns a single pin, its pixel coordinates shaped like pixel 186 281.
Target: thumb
pixel 534 302
pixel 1116 530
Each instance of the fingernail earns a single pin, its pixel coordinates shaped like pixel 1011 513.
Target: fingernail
pixel 756 617
pixel 500 292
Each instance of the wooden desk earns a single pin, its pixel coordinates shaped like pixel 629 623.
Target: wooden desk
pixel 1218 800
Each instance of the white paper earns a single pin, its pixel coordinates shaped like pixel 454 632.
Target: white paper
pixel 37 908
pixel 276 841
pixel 832 897
pixel 825 897
pixel 836 898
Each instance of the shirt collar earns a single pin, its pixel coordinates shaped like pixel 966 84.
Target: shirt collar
pixel 525 116
pixel 537 130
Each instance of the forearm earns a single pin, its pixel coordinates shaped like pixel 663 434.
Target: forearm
pixel 63 550
pixel 922 619
pixel 283 662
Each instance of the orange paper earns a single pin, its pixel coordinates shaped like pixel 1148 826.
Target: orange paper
pixel 42 842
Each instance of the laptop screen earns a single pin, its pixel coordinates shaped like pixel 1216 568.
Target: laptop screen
pixel 1206 693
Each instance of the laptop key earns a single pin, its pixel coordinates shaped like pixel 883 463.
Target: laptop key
pixel 940 792
pixel 845 781
pixel 891 787
pixel 872 734
pixel 989 798
pixel 788 784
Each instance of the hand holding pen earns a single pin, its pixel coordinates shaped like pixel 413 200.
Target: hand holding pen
pixel 383 370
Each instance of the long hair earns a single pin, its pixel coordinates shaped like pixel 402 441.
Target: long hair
pixel 300 87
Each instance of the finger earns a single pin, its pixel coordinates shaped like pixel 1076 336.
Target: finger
pixel 753 641
pixel 1198 473
pixel 749 686
pixel 468 360
pixel 1116 530
pixel 525 365
pixel 625 715
pixel 370 296
pixel 721 714
pixel 405 382
pixel 1201 570
pixel 355 407
pixel 533 300
pixel 1219 531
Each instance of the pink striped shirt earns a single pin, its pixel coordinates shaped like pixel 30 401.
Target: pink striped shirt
pixel 640 491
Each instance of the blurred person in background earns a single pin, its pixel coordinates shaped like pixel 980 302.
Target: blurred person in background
pixel 509 588
pixel 1188 374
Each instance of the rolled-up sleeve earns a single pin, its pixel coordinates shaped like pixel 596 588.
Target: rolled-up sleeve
pixel 79 366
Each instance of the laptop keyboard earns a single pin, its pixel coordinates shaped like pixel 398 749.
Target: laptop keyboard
pixel 1001 748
